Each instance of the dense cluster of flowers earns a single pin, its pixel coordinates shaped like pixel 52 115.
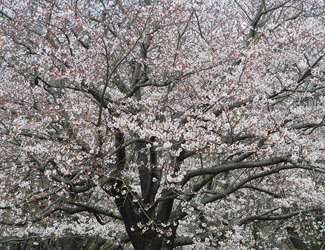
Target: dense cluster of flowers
pixel 179 123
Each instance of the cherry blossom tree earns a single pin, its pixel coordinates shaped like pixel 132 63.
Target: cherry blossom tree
pixel 166 124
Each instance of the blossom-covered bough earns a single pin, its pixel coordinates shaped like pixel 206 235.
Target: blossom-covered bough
pixel 162 123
